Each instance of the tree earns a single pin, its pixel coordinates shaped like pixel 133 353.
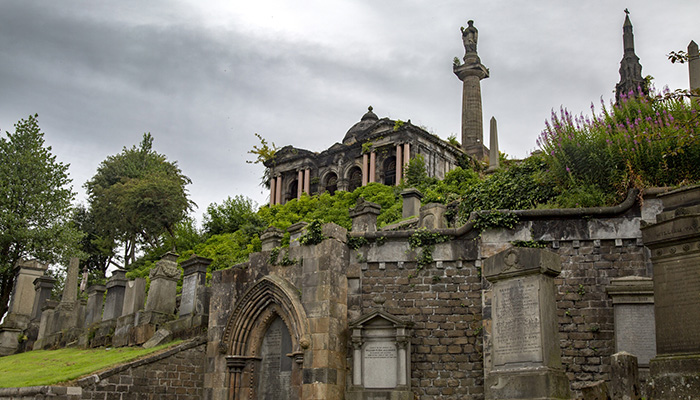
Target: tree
pixel 233 214
pixel 96 242
pixel 136 197
pixel 35 204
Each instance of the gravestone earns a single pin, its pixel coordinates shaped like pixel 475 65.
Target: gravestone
pixel 274 381
pixel 134 296
pixel 22 298
pixel 194 285
pixel 164 277
pixel 67 321
pixel 271 238
pixel 432 216
pixel 411 202
pixel 381 358
pixel 674 241
pixel 526 359
pixel 43 286
pixel 633 305
pixel 114 301
pixel 94 304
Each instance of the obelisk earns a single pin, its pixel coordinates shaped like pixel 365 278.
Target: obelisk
pixel 471 73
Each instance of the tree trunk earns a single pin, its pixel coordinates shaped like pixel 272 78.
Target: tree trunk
pixel 5 290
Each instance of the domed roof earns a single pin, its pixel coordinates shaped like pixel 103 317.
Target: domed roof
pixel 367 120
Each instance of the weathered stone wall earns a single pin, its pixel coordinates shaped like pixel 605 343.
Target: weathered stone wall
pixel 176 374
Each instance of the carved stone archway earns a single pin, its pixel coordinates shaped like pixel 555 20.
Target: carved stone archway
pixel 261 304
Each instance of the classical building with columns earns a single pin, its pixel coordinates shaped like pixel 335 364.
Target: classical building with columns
pixel 373 150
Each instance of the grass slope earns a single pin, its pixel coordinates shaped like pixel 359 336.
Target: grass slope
pixel 48 367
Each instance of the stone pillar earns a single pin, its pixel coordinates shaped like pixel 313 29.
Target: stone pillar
pixel 364 216
pixel 295 232
pixel 624 374
pixel 399 164
pixel 406 155
pixel 47 321
pixel 633 305
pixel 307 181
pixel 471 73
pixel 365 169
pixel 273 194
pixel 372 166
pixel 526 359
pixel 194 286
pixel 674 241
pixel 278 186
pixel 411 202
pixel 694 66
pixel 271 238
pixel 300 183
pixel 70 288
pixel 163 289
pixel 494 161
pixel 114 302
pixel 96 294
pixel 43 286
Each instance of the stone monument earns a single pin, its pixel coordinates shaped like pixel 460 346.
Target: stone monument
pixel 471 73
pixel 381 358
pixel 526 359
pixel 694 66
pixel 631 79
pixel 674 241
pixel 494 156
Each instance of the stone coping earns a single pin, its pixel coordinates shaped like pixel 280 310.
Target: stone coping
pixel 557 213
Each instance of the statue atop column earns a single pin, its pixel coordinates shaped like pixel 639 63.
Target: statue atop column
pixel 470 35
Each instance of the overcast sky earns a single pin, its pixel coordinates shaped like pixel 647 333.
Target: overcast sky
pixel 204 76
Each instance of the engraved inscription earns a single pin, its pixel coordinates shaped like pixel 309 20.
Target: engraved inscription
pixel 189 286
pixel 677 298
pixel 380 365
pixel 516 319
pixel 275 378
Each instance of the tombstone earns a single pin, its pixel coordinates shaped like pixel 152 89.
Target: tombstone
pixel 134 296
pixel 22 298
pixel 194 280
pixel 43 286
pixel 411 202
pixel 114 301
pixel 624 374
pixel 163 289
pixel 633 305
pixel 47 321
pixel 274 379
pixel 674 242
pixel 526 359
pixel 381 358
pixel 95 301
pixel 67 311
pixel 432 216
pixel 364 216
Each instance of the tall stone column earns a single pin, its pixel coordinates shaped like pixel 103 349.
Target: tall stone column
pixel 694 66
pixel 406 155
pixel 278 187
pixel 307 181
pixel 273 186
pixel 372 166
pixel 399 164
pixel 365 170
pixel 471 73
pixel 300 183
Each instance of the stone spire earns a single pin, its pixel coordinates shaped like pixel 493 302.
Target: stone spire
pixel 630 69
pixel 471 73
pixel 694 66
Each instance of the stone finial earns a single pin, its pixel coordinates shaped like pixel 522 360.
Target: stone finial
pixel 166 267
pixel 364 216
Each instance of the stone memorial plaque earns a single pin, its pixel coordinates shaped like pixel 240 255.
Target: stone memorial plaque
pixel 189 292
pixel 677 289
pixel 275 367
pixel 516 322
pixel 379 367
pixel 634 331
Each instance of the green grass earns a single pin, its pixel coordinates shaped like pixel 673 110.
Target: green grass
pixel 48 367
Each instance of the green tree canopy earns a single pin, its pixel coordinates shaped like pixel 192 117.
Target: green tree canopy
pixel 35 204
pixel 231 215
pixel 136 197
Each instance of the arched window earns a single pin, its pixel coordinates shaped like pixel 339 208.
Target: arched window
pixel 389 169
pixel 331 183
pixel 293 190
pixel 354 178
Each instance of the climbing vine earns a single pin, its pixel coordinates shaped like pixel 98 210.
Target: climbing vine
pixel 313 235
pixel 425 240
pixel 495 219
